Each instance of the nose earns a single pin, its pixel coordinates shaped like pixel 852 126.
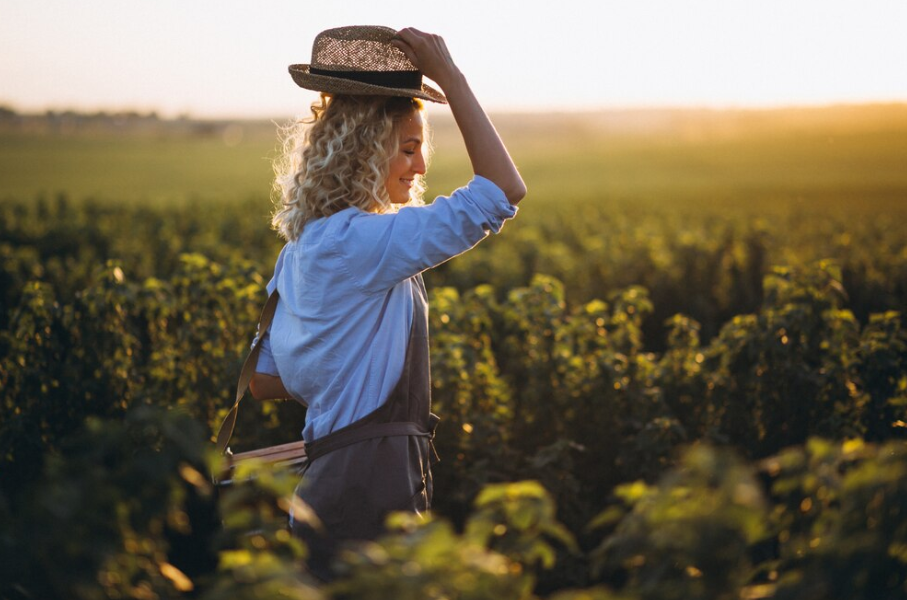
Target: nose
pixel 419 163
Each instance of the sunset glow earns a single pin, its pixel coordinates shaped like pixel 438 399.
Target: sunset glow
pixel 229 59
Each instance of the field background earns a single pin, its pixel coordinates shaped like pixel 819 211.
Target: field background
pixel 680 372
pixel 729 158
pixel 615 197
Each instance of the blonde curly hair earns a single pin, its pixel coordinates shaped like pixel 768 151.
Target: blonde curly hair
pixel 339 158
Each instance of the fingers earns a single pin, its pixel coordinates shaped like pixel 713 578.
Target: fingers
pixel 427 51
pixel 411 34
pixel 419 41
pixel 406 49
pixel 411 42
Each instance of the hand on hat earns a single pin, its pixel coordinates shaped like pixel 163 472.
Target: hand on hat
pixel 489 157
pixel 428 53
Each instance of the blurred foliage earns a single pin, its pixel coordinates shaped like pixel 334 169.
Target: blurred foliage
pixel 126 509
pixel 688 537
pixel 518 520
pixel 123 510
pixel 428 559
pixel 258 558
pixel 840 520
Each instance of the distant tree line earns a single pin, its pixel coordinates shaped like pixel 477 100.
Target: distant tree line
pixel 71 122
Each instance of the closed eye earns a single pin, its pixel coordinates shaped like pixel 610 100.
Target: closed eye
pixel 410 145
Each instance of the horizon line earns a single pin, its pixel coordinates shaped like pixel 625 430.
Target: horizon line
pixel 165 115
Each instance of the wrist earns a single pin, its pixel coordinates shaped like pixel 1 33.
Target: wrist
pixel 451 81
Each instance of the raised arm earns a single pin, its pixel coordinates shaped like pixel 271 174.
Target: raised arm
pixel 487 153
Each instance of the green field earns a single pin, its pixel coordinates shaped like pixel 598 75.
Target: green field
pixel 680 372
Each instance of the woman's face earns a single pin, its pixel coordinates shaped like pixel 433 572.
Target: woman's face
pixel 408 160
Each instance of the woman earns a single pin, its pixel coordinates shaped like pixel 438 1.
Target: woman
pixel 349 337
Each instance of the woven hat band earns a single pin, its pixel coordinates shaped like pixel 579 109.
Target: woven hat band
pixel 398 79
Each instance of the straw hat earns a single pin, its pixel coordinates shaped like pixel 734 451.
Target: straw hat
pixel 359 59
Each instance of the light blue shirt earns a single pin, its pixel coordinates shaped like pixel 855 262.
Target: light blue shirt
pixel 339 335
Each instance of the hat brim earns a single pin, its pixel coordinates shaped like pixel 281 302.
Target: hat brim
pixel 337 85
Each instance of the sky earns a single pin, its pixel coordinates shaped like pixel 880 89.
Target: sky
pixel 229 58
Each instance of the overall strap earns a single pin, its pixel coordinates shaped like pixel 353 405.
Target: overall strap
pixel 248 370
pixel 349 436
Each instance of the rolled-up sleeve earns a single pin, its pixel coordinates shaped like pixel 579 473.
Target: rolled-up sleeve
pixel 382 250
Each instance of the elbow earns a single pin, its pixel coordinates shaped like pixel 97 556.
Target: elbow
pixel 516 192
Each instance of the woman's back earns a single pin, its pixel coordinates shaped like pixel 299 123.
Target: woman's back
pixel 334 344
pixel 340 331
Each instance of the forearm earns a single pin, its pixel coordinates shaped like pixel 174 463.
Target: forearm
pixel 487 153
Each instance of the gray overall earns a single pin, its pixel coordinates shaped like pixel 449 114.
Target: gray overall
pixel 380 463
